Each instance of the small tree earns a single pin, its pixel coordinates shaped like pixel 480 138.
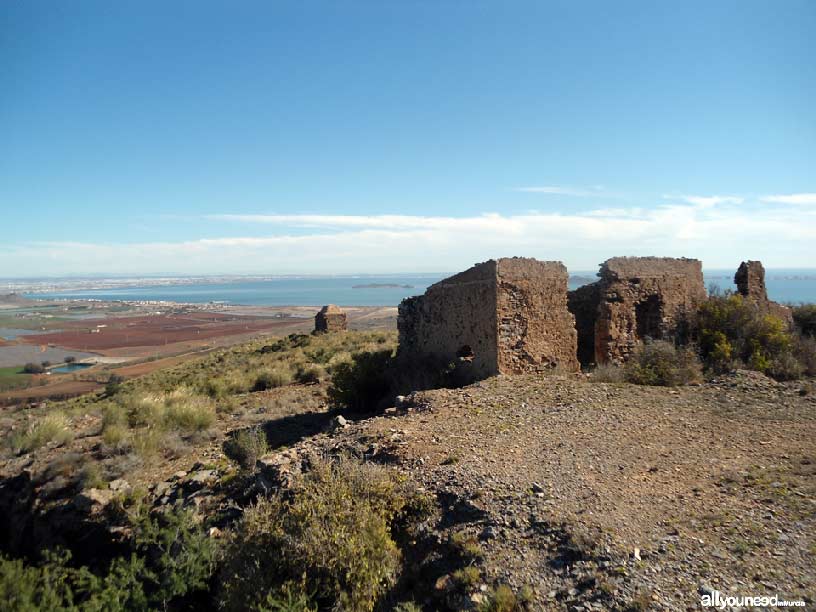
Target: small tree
pixel 33 368
pixel 70 359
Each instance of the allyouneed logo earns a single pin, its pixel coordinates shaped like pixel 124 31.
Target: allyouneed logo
pixel 715 599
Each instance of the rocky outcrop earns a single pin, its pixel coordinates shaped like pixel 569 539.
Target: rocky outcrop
pixel 503 316
pixel 331 318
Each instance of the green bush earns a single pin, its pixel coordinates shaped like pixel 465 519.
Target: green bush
pixel 370 379
pixel 246 446
pixel 661 363
pixel 55 585
pixel 288 600
pixel 804 317
pixel 361 384
pixel 181 557
pixel 805 350
pixel 330 536
pixel 732 330
pixel 33 368
pixel 172 557
pixel 114 384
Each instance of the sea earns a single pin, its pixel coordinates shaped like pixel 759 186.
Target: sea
pixel 784 285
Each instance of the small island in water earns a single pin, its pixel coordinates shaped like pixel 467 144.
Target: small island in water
pixel 382 286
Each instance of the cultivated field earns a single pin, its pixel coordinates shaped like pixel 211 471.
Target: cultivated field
pixel 116 332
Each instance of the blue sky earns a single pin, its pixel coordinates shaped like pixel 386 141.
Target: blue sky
pixel 286 137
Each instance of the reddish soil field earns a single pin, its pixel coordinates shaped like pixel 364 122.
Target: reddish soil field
pixel 60 390
pixel 152 330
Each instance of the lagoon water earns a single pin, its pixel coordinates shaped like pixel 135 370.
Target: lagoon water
pixel 783 286
pixel 71 367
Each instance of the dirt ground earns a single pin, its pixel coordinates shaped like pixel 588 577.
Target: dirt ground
pixel 597 496
pixel 644 492
pixel 62 389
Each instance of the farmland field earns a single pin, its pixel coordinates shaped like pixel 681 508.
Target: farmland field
pixel 13 378
pixel 156 330
pixel 18 354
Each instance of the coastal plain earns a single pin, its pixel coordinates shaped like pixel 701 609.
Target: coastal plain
pixel 134 338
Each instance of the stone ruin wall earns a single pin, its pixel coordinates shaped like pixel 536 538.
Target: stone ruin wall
pixel 535 329
pixel 329 319
pixel 750 282
pixel 506 316
pixel 454 314
pixel 636 297
pixel 644 297
pixel 516 315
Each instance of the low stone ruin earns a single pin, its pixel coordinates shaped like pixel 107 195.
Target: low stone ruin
pixel 515 315
pixel 505 316
pixel 331 318
pixel 635 298
pixel 750 282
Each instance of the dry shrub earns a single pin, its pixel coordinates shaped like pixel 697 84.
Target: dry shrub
pixel 663 364
pixel 246 446
pixel 272 378
pixel 504 599
pixel 53 427
pixel 186 411
pixel 608 373
pixel 180 409
pixel 309 374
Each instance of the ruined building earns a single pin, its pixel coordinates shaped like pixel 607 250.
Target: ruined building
pixel 505 316
pixel 515 315
pixel 635 298
pixel 750 282
pixel 330 319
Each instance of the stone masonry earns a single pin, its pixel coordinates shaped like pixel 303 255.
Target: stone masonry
pixel 504 316
pixel 750 282
pixel 330 319
pixel 635 298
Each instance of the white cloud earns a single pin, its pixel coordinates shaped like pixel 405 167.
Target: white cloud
pixel 705 201
pixel 332 244
pixel 392 222
pixel 562 190
pixel 800 199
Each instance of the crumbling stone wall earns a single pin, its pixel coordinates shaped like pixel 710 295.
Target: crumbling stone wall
pixel 504 316
pixel 536 330
pixel 750 282
pixel 637 297
pixel 330 319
